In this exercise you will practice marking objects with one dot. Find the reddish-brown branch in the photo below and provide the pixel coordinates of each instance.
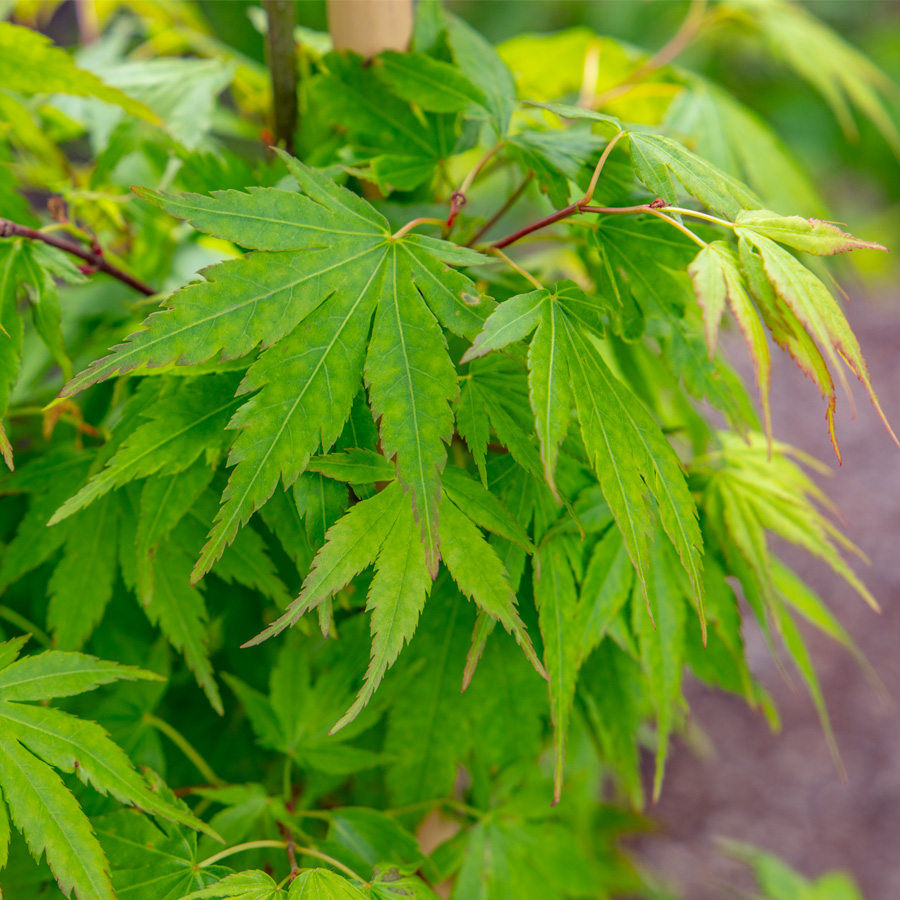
(573, 208)
(94, 257)
(513, 199)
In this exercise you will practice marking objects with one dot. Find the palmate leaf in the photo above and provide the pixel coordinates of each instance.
(381, 531)
(153, 860)
(332, 264)
(624, 444)
(296, 716)
(35, 739)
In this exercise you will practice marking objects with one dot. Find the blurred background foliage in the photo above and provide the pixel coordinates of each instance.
(854, 168)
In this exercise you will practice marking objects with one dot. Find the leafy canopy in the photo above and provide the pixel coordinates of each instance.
(447, 364)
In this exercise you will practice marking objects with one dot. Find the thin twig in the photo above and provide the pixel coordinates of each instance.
(517, 268)
(422, 220)
(239, 848)
(653, 210)
(572, 208)
(511, 201)
(180, 741)
(94, 257)
(291, 855)
(599, 168)
(459, 197)
(685, 34)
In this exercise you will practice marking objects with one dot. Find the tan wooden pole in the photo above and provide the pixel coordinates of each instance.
(370, 26)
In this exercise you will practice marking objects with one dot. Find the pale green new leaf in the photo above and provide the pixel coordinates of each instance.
(660, 162)
(396, 597)
(837, 70)
(353, 543)
(811, 235)
(556, 598)
(788, 332)
(717, 278)
(252, 885)
(31, 64)
(480, 575)
(817, 310)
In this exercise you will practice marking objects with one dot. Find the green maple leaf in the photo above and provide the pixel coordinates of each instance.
(153, 860)
(252, 885)
(329, 268)
(35, 739)
(381, 531)
(625, 446)
(298, 713)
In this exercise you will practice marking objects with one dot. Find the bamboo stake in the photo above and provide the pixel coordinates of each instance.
(370, 26)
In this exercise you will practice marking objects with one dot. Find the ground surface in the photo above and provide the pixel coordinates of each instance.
(782, 792)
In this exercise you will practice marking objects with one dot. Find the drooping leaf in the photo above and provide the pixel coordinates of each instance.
(838, 71)
(396, 597)
(817, 310)
(717, 277)
(557, 602)
(479, 574)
